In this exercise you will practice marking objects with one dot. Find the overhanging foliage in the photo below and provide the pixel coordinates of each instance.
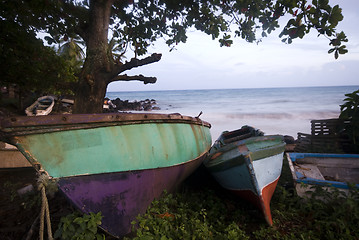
(135, 25)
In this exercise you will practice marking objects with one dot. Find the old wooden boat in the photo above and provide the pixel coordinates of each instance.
(114, 163)
(325, 170)
(248, 165)
(42, 106)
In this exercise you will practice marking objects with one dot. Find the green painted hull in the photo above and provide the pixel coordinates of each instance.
(113, 144)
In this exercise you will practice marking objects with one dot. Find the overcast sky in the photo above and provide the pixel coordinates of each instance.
(202, 64)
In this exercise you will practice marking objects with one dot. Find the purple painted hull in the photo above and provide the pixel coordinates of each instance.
(121, 196)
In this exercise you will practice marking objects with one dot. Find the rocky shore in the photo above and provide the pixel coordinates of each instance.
(125, 105)
(64, 106)
(116, 105)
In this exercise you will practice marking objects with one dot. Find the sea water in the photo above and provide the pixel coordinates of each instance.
(284, 111)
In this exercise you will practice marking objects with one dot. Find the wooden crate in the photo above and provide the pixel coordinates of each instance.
(326, 136)
(325, 127)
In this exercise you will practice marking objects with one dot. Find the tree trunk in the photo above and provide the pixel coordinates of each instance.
(95, 74)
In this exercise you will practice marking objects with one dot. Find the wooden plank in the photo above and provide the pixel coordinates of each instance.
(12, 158)
(331, 161)
(309, 171)
(325, 126)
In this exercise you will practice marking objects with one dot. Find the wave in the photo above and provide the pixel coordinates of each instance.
(281, 101)
(281, 115)
(259, 115)
(270, 123)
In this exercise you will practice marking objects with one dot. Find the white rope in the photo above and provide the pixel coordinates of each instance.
(45, 212)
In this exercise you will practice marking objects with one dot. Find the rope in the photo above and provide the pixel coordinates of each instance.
(45, 212)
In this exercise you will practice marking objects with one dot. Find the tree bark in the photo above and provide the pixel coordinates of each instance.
(140, 77)
(99, 68)
(96, 71)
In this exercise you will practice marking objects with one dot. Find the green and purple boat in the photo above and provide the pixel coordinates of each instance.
(114, 163)
(248, 164)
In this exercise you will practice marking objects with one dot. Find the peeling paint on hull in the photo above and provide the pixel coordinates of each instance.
(122, 196)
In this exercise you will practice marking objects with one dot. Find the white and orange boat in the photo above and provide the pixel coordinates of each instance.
(248, 164)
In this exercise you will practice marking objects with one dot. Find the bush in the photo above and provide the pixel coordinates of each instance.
(350, 111)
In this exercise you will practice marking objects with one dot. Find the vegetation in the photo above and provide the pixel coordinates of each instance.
(134, 26)
(26, 62)
(79, 226)
(209, 214)
(33, 67)
(350, 111)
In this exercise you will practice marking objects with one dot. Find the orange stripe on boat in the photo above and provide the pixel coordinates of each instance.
(262, 202)
(267, 194)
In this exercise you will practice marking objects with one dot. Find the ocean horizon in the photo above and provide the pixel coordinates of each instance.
(285, 110)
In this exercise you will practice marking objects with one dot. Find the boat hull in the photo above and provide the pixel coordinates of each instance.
(71, 145)
(113, 163)
(324, 170)
(250, 168)
(121, 196)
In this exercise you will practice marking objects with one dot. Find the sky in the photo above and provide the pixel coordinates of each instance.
(201, 63)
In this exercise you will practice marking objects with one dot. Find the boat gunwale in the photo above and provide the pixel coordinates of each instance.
(25, 125)
(223, 165)
(292, 157)
(229, 146)
(269, 151)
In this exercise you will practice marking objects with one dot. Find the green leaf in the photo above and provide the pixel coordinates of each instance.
(331, 50)
(342, 50)
(100, 237)
(78, 220)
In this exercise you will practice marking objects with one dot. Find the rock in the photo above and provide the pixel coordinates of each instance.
(114, 105)
(125, 105)
(289, 139)
(24, 190)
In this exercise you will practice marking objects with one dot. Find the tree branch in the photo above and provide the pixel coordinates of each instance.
(77, 17)
(140, 77)
(155, 57)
